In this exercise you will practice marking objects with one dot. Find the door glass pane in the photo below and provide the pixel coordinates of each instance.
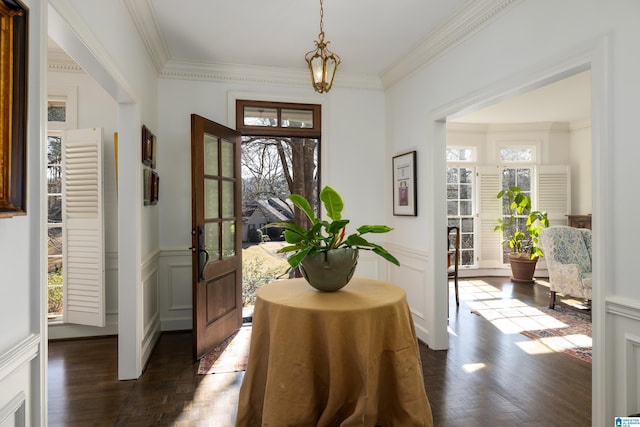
(227, 159)
(228, 239)
(210, 155)
(259, 116)
(211, 240)
(227, 199)
(297, 118)
(211, 199)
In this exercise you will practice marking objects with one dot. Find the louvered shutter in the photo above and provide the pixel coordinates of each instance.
(82, 224)
(554, 192)
(489, 184)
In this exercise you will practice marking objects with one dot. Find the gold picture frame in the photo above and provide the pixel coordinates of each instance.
(13, 107)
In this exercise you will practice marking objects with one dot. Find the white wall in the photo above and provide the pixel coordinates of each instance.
(512, 53)
(119, 62)
(581, 173)
(352, 161)
(22, 318)
(96, 108)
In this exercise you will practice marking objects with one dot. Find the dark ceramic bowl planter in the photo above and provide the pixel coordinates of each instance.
(324, 253)
(331, 270)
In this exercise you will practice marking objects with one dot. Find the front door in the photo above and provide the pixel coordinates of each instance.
(216, 194)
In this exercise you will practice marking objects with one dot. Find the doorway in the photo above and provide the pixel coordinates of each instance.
(280, 156)
(597, 170)
(522, 135)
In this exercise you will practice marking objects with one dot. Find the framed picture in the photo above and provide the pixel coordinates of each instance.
(155, 184)
(404, 184)
(14, 36)
(148, 147)
(147, 178)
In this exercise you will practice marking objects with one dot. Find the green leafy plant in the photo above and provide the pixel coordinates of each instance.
(521, 239)
(326, 235)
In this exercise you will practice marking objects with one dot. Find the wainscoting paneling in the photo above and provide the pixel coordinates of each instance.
(151, 315)
(623, 324)
(15, 381)
(412, 277)
(174, 289)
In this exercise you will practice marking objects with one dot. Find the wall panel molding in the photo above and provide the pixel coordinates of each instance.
(625, 307)
(20, 354)
(16, 408)
(632, 344)
(174, 289)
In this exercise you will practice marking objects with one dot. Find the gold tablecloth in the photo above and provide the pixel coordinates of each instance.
(346, 358)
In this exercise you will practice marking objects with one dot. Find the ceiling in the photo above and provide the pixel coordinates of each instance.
(371, 37)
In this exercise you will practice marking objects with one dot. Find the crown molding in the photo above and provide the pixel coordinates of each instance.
(64, 68)
(235, 73)
(59, 61)
(145, 21)
(474, 16)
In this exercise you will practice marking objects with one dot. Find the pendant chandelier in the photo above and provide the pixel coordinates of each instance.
(322, 62)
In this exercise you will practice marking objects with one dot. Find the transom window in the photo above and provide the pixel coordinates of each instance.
(460, 155)
(517, 154)
(262, 118)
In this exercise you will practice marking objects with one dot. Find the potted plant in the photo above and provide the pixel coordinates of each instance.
(325, 255)
(521, 230)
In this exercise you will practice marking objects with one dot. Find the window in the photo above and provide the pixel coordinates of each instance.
(280, 155)
(61, 106)
(460, 200)
(517, 154)
(460, 154)
(54, 225)
(521, 178)
(56, 117)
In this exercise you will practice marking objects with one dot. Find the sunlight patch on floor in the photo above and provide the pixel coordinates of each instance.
(512, 316)
(473, 367)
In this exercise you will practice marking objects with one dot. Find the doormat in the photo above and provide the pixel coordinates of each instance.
(231, 355)
(559, 330)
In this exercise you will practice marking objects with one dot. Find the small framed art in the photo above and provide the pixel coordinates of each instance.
(404, 184)
(148, 147)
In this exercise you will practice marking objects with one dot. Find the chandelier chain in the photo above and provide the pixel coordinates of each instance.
(321, 18)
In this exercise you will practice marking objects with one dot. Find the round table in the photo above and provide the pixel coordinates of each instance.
(345, 358)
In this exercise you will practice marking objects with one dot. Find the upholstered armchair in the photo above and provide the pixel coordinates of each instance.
(567, 251)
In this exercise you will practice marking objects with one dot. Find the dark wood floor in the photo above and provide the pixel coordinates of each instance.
(484, 379)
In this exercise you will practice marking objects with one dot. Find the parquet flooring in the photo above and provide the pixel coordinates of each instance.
(485, 378)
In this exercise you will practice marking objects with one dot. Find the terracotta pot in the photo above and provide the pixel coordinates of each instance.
(330, 271)
(522, 268)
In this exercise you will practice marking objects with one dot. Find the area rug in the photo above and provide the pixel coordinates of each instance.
(559, 329)
(230, 355)
(574, 338)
